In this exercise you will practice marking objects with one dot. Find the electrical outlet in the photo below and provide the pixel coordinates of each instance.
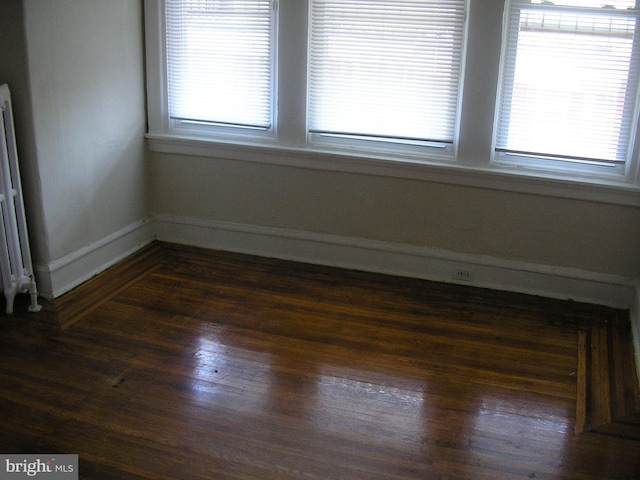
(463, 274)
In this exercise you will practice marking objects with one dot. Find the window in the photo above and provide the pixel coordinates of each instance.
(570, 82)
(386, 70)
(220, 68)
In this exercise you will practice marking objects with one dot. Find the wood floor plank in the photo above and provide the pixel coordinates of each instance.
(582, 382)
(213, 365)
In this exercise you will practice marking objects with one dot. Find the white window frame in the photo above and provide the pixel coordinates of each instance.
(551, 165)
(469, 162)
(160, 120)
(328, 129)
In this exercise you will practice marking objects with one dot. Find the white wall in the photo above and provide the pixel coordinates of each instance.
(86, 83)
(536, 229)
(14, 71)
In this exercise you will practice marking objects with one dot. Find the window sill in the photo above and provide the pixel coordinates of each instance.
(440, 170)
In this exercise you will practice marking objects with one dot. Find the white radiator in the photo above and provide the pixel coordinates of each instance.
(15, 256)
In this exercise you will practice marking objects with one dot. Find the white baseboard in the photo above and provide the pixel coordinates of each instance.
(399, 259)
(63, 274)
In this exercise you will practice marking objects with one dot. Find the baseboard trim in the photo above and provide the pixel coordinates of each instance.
(63, 274)
(398, 259)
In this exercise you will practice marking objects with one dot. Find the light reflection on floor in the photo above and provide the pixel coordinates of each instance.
(341, 401)
(215, 368)
(532, 430)
(389, 411)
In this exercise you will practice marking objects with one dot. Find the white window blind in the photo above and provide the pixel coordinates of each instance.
(385, 68)
(570, 80)
(220, 61)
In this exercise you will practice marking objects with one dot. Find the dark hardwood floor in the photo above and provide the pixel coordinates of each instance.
(192, 364)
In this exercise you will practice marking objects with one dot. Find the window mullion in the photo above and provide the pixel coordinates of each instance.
(155, 32)
(291, 117)
(482, 60)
